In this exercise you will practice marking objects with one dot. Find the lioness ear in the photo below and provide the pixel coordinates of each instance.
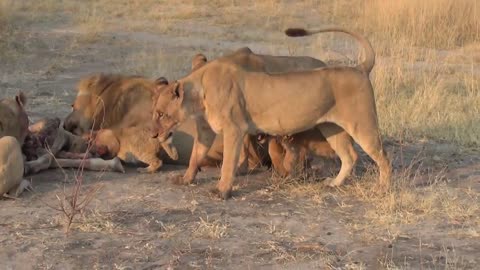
(21, 99)
(178, 90)
(161, 81)
(198, 61)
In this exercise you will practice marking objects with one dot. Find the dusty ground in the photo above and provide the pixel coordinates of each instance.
(430, 219)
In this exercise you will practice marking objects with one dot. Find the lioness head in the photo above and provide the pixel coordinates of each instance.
(17, 125)
(168, 111)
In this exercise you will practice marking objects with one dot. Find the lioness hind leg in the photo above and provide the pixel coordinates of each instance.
(341, 143)
(367, 135)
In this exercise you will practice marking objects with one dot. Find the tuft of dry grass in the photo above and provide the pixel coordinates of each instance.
(206, 228)
(432, 103)
(417, 193)
(430, 23)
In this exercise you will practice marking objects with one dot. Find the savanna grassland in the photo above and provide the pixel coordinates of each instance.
(427, 85)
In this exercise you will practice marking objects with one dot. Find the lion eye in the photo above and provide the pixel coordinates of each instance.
(158, 115)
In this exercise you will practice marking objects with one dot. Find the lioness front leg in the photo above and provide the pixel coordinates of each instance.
(232, 144)
(201, 145)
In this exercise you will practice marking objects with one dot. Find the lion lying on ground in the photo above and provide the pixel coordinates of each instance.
(225, 98)
(117, 105)
(300, 144)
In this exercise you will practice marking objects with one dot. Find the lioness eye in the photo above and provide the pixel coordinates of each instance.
(160, 115)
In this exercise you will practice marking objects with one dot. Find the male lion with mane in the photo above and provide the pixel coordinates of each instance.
(111, 109)
(225, 98)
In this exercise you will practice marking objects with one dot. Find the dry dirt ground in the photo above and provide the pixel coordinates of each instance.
(429, 220)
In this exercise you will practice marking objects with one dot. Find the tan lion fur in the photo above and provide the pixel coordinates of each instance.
(121, 102)
(118, 106)
(13, 118)
(11, 167)
(130, 143)
(225, 98)
(286, 155)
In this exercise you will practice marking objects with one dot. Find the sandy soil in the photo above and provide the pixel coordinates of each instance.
(431, 220)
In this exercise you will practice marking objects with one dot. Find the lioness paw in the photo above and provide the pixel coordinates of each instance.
(224, 195)
(180, 180)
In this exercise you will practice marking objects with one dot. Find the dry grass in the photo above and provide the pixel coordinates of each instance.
(422, 91)
(428, 103)
(418, 193)
(206, 228)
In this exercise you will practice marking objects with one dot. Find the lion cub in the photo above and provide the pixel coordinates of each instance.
(129, 143)
(289, 153)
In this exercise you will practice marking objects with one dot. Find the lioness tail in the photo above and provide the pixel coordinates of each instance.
(366, 65)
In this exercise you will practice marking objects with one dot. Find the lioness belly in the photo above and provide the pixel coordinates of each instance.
(286, 105)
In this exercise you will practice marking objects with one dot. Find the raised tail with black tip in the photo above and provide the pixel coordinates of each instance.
(366, 65)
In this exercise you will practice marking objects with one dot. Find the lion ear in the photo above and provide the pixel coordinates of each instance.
(21, 99)
(178, 90)
(156, 92)
(198, 61)
(161, 81)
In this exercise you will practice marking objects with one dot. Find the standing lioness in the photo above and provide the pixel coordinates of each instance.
(289, 154)
(225, 98)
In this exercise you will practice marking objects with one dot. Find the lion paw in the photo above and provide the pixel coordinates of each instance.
(180, 180)
(224, 195)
